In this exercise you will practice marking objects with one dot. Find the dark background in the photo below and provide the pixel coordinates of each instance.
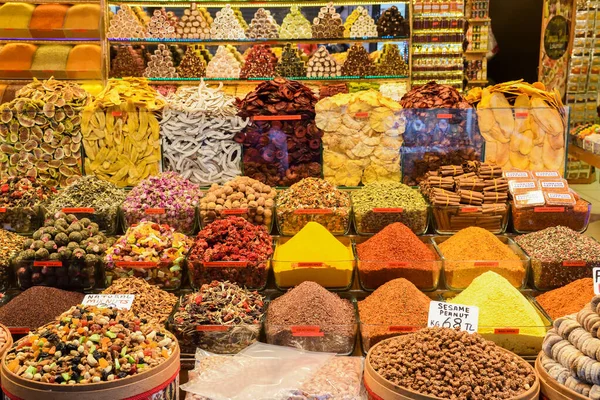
(517, 27)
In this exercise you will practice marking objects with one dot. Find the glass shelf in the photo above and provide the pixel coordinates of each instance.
(51, 40)
(252, 4)
(216, 42)
(301, 78)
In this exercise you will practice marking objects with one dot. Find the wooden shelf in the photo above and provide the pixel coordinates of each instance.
(584, 155)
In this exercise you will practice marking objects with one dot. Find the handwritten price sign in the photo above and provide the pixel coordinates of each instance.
(445, 315)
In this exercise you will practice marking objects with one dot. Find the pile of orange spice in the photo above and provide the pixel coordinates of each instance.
(568, 299)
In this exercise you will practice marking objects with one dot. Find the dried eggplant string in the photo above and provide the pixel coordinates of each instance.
(198, 128)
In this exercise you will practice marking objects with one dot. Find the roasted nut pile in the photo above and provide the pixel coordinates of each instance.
(64, 253)
(295, 25)
(226, 25)
(392, 23)
(121, 132)
(441, 129)
(263, 26)
(125, 24)
(227, 63)
(90, 345)
(167, 198)
(127, 62)
(446, 363)
(195, 23)
(191, 65)
(362, 138)
(20, 199)
(291, 63)
(161, 64)
(322, 65)
(198, 128)
(40, 132)
(312, 199)
(260, 63)
(280, 152)
(328, 24)
(242, 196)
(231, 249)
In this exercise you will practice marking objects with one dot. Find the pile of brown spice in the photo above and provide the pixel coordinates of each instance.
(567, 299)
(395, 308)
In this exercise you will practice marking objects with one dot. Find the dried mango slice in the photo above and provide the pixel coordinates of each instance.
(547, 116)
(502, 153)
(491, 148)
(526, 144)
(502, 113)
(518, 160)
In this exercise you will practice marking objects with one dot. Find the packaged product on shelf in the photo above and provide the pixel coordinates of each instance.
(231, 249)
(65, 253)
(313, 254)
(441, 129)
(151, 302)
(243, 197)
(380, 204)
(315, 200)
(395, 308)
(414, 351)
(10, 245)
(396, 252)
(92, 198)
(121, 138)
(466, 195)
(20, 199)
(282, 145)
(311, 318)
(36, 307)
(474, 251)
(48, 146)
(167, 198)
(534, 215)
(221, 317)
(93, 364)
(148, 250)
(295, 25)
(528, 134)
(559, 256)
(506, 317)
(338, 378)
(568, 299)
(362, 136)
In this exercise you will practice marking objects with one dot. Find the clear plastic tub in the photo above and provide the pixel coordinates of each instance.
(333, 275)
(251, 274)
(338, 339)
(376, 219)
(23, 220)
(219, 339)
(336, 220)
(183, 221)
(448, 220)
(424, 275)
(522, 340)
(74, 275)
(459, 274)
(108, 221)
(257, 215)
(533, 219)
(165, 275)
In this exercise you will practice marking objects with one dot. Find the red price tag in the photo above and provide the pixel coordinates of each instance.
(19, 331)
(436, 23)
(117, 113)
(435, 39)
(307, 331)
(486, 263)
(442, 116)
(454, 23)
(136, 264)
(211, 328)
(388, 210)
(403, 329)
(524, 114)
(276, 117)
(308, 265)
(361, 115)
(78, 210)
(226, 264)
(572, 263)
(152, 211)
(396, 264)
(469, 209)
(2, 210)
(234, 211)
(47, 264)
(548, 209)
(313, 211)
(506, 331)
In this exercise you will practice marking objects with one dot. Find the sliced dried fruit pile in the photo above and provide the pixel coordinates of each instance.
(40, 132)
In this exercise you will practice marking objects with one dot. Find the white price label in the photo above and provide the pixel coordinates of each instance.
(446, 315)
(596, 272)
(120, 301)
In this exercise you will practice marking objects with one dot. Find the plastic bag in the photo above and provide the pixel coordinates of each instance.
(259, 372)
(205, 361)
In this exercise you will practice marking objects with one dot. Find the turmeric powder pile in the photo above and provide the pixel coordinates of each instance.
(473, 251)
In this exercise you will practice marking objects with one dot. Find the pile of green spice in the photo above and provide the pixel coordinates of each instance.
(20, 198)
(91, 197)
(396, 252)
(559, 256)
(10, 245)
(379, 204)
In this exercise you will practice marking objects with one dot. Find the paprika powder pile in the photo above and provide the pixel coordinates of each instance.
(568, 299)
(396, 252)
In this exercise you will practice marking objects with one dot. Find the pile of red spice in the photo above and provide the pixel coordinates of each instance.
(396, 252)
(568, 299)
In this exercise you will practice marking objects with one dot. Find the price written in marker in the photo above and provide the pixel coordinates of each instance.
(120, 301)
(596, 273)
(445, 315)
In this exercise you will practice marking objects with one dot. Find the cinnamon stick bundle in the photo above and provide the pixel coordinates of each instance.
(495, 197)
(451, 170)
(475, 184)
(471, 197)
(488, 171)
